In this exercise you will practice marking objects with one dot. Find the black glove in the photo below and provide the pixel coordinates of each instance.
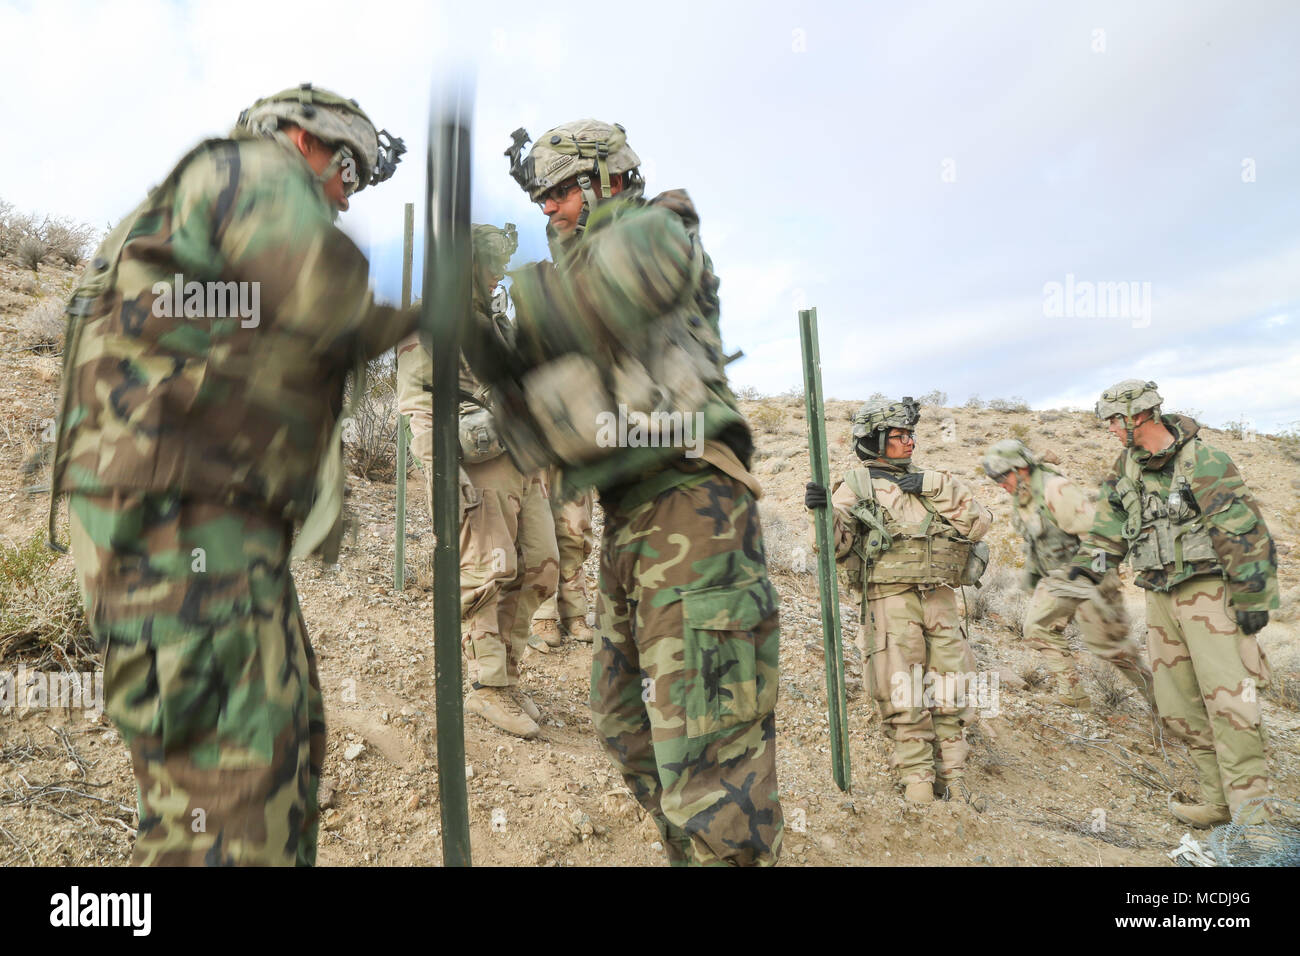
(1251, 621)
(814, 495)
(1077, 572)
(912, 483)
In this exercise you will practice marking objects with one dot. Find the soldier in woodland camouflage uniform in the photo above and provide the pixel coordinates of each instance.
(621, 327)
(508, 558)
(566, 611)
(1051, 512)
(192, 439)
(1178, 509)
(910, 624)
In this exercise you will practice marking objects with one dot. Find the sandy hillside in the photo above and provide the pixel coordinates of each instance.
(1041, 772)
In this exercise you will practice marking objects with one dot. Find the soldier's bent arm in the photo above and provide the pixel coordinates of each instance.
(275, 230)
(956, 502)
(1106, 533)
(626, 275)
(847, 527)
(1237, 531)
(1069, 506)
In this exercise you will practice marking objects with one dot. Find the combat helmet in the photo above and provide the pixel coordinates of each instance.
(872, 422)
(1007, 455)
(1129, 398)
(587, 149)
(335, 121)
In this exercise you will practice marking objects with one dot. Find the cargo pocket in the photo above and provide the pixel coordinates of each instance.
(1145, 553)
(731, 669)
(1237, 518)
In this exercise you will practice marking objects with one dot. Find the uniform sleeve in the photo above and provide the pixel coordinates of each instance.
(955, 501)
(846, 525)
(273, 229)
(414, 369)
(1069, 506)
(1106, 534)
(1237, 531)
(622, 277)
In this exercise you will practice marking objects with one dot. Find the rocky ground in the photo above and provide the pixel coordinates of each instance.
(1053, 786)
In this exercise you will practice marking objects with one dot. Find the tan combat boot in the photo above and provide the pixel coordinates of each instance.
(526, 704)
(497, 706)
(922, 792)
(1069, 693)
(545, 632)
(579, 629)
(1200, 815)
(954, 789)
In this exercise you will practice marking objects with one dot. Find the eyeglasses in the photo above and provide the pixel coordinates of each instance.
(907, 438)
(557, 194)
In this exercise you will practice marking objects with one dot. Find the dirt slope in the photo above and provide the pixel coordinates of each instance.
(1054, 787)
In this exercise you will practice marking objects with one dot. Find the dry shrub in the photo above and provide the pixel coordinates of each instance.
(69, 240)
(40, 606)
(30, 251)
(370, 439)
(41, 328)
(1013, 404)
(1000, 597)
(786, 549)
(767, 417)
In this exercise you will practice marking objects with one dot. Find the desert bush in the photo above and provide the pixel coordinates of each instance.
(370, 439)
(766, 417)
(31, 250)
(1013, 404)
(1020, 430)
(747, 393)
(41, 328)
(786, 549)
(974, 403)
(69, 240)
(40, 606)
(1000, 595)
(934, 399)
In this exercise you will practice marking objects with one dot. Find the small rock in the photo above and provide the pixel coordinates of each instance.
(332, 820)
(413, 801)
(469, 771)
(659, 847)
(325, 795)
(353, 751)
(71, 768)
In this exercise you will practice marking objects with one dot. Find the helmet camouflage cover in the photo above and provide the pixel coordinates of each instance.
(493, 246)
(1128, 398)
(1006, 455)
(880, 415)
(339, 123)
(585, 147)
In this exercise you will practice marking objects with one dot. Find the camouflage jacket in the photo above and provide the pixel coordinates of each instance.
(1165, 545)
(165, 389)
(1051, 514)
(625, 278)
(952, 500)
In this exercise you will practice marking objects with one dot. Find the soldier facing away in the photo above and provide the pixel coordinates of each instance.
(1050, 512)
(508, 558)
(190, 445)
(623, 328)
(905, 535)
(1178, 509)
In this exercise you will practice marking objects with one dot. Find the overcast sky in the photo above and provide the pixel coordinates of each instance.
(920, 172)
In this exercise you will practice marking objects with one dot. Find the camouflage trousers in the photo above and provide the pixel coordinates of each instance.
(508, 565)
(916, 642)
(684, 679)
(1103, 625)
(1208, 677)
(574, 539)
(208, 676)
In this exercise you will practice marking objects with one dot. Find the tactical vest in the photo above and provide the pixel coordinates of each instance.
(662, 394)
(1164, 529)
(1048, 546)
(927, 553)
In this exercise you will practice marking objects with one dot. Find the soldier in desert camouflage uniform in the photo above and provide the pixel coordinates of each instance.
(1179, 510)
(566, 612)
(623, 324)
(1051, 512)
(508, 558)
(191, 443)
(910, 624)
